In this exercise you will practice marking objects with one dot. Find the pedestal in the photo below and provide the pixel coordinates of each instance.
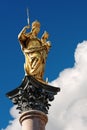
(33, 120)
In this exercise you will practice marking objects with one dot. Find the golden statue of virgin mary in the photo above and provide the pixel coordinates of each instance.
(35, 50)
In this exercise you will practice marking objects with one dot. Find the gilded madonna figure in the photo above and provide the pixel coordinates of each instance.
(35, 50)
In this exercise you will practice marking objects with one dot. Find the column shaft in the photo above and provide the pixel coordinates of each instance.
(33, 120)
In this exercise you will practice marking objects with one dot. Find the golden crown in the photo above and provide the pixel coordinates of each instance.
(35, 24)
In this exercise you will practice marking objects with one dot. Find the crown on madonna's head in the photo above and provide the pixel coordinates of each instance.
(35, 24)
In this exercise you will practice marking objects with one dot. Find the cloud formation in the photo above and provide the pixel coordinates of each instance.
(69, 109)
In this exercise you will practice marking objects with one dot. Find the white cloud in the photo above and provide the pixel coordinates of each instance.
(69, 109)
(14, 125)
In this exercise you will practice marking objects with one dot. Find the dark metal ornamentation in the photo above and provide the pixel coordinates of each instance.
(33, 95)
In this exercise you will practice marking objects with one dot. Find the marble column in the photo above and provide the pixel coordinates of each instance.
(33, 120)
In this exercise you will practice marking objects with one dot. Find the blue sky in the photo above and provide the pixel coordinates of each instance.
(66, 22)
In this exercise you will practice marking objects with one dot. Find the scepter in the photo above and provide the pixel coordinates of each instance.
(28, 20)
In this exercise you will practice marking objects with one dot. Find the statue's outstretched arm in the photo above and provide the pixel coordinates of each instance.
(22, 35)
